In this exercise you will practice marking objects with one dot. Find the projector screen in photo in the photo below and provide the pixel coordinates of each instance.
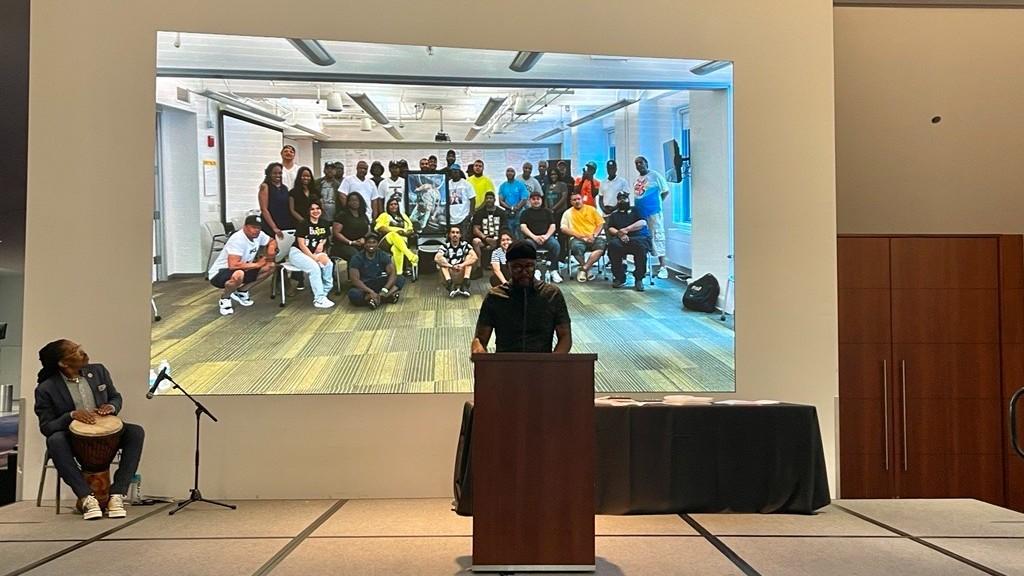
(302, 158)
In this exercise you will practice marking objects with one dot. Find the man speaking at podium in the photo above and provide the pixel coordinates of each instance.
(526, 313)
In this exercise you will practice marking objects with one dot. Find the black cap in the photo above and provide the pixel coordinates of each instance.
(611, 163)
(521, 249)
(622, 195)
(253, 220)
(536, 193)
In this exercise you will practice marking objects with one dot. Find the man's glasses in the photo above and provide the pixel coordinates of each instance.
(521, 267)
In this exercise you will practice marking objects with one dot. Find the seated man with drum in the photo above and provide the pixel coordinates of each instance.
(77, 406)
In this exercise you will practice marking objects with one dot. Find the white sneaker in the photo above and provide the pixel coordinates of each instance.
(556, 277)
(453, 293)
(90, 508)
(581, 275)
(323, 303)
(663, 273)
(242, 298)
(115, 506)
(225, 307)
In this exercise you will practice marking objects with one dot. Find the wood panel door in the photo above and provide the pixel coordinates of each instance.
(946, 353)
(866, 431)
(1011, 257)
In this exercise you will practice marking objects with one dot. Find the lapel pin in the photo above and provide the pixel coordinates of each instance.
(88, 374)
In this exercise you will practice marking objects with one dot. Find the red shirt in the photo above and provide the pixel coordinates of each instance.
(588, 189)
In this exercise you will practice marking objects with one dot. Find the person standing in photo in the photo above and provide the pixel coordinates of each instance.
(393, 185)
(273, 200)
(359, 183)
(649, 193)
(481, 184)
(612, 187)
(289, 169)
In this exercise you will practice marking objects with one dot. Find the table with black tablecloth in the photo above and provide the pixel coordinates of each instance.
(659, 458)
(668, 459)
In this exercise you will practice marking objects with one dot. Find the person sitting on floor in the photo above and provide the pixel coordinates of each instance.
(395, 228)
(628, 234)
(583, 223)
(455, 260)
(309, 253)
(499, 262)
(237, 268)
(373, 276)
(70, 388)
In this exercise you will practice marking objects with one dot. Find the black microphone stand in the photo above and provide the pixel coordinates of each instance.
(194, 494)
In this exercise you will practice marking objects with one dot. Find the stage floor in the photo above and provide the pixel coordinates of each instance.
(423, 538)
(645, 341)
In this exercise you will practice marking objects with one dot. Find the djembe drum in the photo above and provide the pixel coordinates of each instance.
(94, 446)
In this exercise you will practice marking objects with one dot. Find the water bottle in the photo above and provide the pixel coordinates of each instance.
(135, 489)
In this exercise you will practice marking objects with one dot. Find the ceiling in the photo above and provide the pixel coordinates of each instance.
(417, 110)
(413, 85)
(223, 56)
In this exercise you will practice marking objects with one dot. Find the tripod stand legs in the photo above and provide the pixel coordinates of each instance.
(196, 496)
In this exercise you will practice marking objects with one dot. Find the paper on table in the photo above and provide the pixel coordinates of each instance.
(747, 402)
(687, 399)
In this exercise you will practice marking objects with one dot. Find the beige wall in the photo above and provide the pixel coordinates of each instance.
(87, 55)
(897, 172)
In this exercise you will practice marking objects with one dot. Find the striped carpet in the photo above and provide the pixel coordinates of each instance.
(644, 341)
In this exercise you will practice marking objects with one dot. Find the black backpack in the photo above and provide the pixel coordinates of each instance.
(702, 294)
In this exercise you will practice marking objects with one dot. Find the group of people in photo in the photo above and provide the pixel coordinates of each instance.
(379, 228)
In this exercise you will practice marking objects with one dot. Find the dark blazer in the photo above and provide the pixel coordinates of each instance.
(54, 404)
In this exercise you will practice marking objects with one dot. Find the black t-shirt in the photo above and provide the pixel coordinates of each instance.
(353, 227)
(315, 234)
(456, 254)
(537, 220)
(524, 320)
(302, 201)
(620, 220)
(490, 223)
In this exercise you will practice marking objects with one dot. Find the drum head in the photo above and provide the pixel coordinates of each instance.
(104, 426)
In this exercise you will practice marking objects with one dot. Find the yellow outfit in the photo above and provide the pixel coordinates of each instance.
(586, 220)
(482, 185)
(399, 244)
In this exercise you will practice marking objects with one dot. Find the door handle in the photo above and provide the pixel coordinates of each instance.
(1013, 421)
(903, 373)
(885, 404)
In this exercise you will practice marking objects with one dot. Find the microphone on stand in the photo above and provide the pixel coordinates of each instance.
(156, 383)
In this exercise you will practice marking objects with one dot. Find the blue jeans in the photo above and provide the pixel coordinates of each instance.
(554, 250)
(321, 278)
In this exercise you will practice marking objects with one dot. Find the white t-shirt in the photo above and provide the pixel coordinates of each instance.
(389, 188)
(366, 188)
(288, 175)
(610, 191)
(238, 245)
(459, 194)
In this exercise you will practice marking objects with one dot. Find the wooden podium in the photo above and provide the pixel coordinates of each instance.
(533, 463)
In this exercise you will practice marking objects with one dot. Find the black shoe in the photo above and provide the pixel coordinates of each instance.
(372, 304)
(619, 284)
(393, 297)
(638, 285)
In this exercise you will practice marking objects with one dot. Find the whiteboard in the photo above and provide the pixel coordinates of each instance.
(248, 148)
